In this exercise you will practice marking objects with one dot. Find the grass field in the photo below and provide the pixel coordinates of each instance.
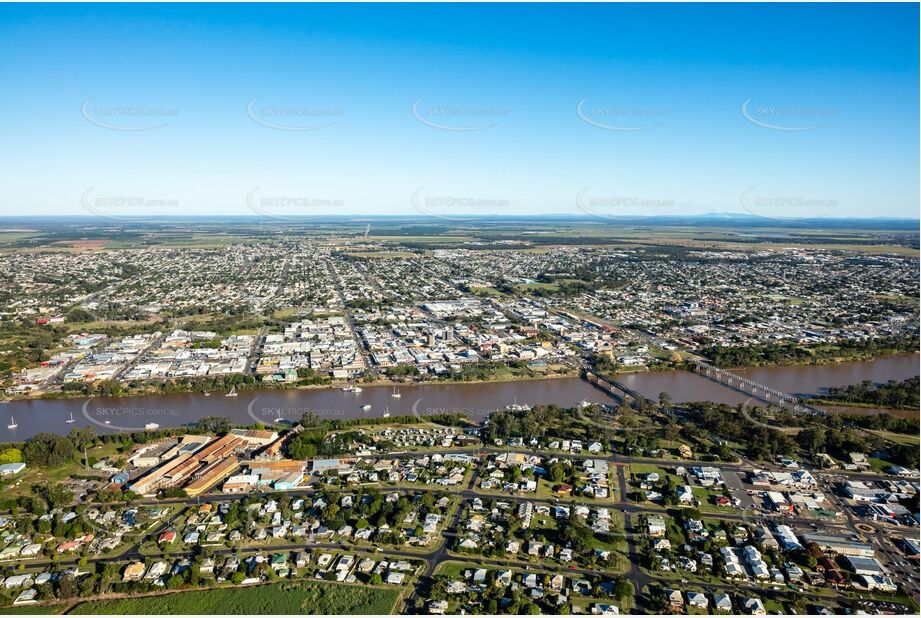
(85, 327)
(287, 598)
(485, 291)
(33, 610)
(898, 438)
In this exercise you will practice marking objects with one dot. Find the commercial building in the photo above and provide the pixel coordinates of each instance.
(839, 545)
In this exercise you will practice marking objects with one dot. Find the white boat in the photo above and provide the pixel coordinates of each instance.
(232, 392)
(386, 413)
(585, 403)
(279, 420)
(351, 389)
(71, 419)
(517, 407)
(367, 406)
(396, 393)
(12, 424)
(151, 426)
(108, 422)
(207, 394)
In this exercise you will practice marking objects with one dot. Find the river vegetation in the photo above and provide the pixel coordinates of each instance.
(541, 421)
(216, 383)
(796, 354)
(902, 395)
(835, 435)
(760, 441)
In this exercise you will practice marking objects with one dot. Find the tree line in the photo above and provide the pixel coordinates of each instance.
(892, 394)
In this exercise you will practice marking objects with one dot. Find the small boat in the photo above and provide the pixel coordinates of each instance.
(517, 407)
(207, 394)
(71, 419)
(585, 403)
(386, 413)
(108, 422)
(151, 426)
(367, 406)
(12, 424)
(279, 420)
(232, 392)
(351, 389)
(396, 393)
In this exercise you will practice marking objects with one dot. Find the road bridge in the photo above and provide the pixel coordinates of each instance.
(615, 388)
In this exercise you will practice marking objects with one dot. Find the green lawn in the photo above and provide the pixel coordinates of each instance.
(289, 598)
(898, 438)
(641, 470)
(878, 465)
(485, 291)
(34, 609)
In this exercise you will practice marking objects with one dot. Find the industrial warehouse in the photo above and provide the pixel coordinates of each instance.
(198, 463)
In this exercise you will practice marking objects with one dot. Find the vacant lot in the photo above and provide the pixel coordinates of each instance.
(287, 598)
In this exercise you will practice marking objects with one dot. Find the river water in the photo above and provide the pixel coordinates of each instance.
(474, 400)
(805, 380)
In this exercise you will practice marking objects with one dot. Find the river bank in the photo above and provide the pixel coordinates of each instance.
(203, 387)
(473, 399)
(504, 374)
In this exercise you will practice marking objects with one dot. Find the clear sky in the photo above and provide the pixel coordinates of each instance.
(452, 110)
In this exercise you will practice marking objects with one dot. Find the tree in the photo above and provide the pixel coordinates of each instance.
(307, 443)
(66, 588)
(47, 449)
(556, 471)
(623, 589)
(812, 439)
(577, 534)
(54, 494)
(530, 608)
(81, 437)
(213, 424)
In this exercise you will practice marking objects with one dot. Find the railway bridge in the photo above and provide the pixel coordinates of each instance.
(750, 387)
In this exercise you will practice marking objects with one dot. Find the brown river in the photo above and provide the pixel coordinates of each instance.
(473, 400)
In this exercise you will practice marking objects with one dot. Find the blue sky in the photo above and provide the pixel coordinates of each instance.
(460, 109)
